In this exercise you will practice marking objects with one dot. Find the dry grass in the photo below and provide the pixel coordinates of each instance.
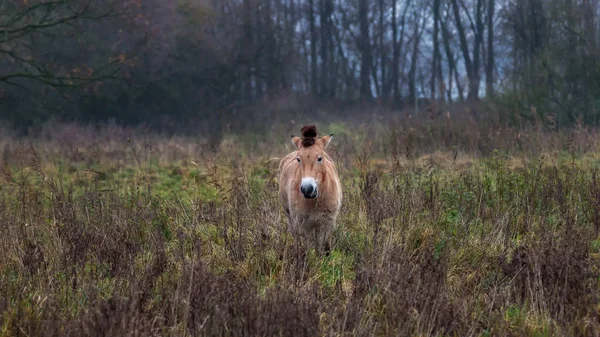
(121, 232)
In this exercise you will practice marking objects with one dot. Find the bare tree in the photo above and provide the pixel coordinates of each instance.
(490, 63)
(419, 22)
(31, 20)
(314, 80)
(436, 66)
(365, 50)
(472, 64)
(382, 52)
(327, 61)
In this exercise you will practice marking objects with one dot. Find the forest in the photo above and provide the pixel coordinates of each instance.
(224, 64)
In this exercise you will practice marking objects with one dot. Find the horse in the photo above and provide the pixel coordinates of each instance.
(310, 190)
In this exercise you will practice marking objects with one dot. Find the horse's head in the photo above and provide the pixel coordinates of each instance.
(312, 160)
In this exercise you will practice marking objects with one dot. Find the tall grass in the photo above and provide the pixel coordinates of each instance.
(447, 229)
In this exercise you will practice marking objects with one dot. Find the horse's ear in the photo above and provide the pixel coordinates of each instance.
(325, 140)
(296, 141)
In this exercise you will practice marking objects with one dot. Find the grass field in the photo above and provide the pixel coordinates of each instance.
(445, 230)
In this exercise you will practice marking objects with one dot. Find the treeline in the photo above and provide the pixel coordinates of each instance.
(217, 62)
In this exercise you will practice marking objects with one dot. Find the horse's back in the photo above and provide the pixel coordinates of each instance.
(285, 174)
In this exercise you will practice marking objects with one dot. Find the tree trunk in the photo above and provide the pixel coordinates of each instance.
(382, 63)
(475, 79)
(365, 49)
(347, 77)
(248, 48)
(412, 84)
(464, 46)
(314, 81)
(333, 72)
(396, 45)
(395, 53)
(325, 67)
(452, 71)
(436, 47)
(489, 70)
(292, 37)
(269, 67)
(281, 36)
(259, 36)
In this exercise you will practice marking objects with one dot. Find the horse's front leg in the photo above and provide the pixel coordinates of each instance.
(299, 230)
(323, 236)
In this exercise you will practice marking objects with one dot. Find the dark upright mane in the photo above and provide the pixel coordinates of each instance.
(309, 132)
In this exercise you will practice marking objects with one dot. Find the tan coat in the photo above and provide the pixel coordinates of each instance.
(311, 192)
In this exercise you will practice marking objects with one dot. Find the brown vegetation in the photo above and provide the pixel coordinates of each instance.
(161, 236)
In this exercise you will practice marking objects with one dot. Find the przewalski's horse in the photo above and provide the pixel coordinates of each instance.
(310, 189)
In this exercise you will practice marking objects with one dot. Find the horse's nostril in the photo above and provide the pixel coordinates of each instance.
(307, 189)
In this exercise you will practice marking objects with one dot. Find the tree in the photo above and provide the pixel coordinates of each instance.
(25, 22)
(383, 92)
(314, 80)
(418, 20)
(436, 66)
(397, 43)
(327, 61)
(365, 50)
(490, 64)
(472, 64)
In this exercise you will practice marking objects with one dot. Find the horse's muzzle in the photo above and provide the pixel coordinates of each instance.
(309, 191)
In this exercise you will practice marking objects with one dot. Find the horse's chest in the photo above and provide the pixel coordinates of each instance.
(311, 221)
(314, 209)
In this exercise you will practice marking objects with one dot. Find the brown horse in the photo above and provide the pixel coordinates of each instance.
(310, 189)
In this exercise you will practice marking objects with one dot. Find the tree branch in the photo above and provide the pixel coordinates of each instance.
(62, 81)
(8, 32)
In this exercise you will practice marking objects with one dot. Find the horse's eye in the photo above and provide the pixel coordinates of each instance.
(298, 159)
(320, 159)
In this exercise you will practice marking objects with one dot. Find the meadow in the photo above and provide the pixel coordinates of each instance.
(447, 229)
